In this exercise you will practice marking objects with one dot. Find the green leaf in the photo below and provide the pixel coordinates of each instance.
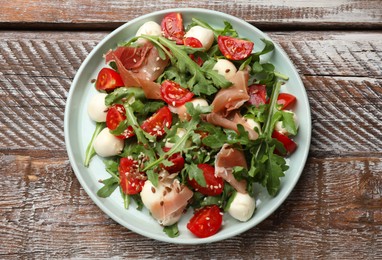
(120, 95)
(268, 47)
(109, 187)
(90, 152)
(287, 120)
(275, 169)
(171, 231)
(194, 173)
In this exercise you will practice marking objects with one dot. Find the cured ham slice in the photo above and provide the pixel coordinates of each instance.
(232, 98)
(226, 159)
(167, 201)
(131, 57)
(231, 122)
(150, 68)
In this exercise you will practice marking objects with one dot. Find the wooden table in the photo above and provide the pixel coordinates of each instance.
(335, 209)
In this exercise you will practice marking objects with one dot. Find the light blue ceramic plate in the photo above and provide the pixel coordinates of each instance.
(79, 128)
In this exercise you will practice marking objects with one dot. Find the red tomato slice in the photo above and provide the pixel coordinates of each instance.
(206, 221)
(131, 179)
(257, 94)
(173, 94)
(289, 145)
(234, 48)
(286, 100)
(156, 124)
(108, 79)
(177, 160)
(172, 27)
(194, 43)
(214, 183)
(115, 115)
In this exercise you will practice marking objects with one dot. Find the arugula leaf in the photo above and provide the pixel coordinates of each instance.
(109, 187)
(228, 29)
(287, 120)
(120, 95)
(267, 167)
(172, 231)
(194, 173)
(90, 152)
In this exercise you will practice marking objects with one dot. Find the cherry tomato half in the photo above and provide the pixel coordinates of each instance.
(172, 27)
(177, 160)
(257, 94)
(173, 94)
(156, 124)
(214, 183)
(289, 145)
(194, 43)
(108, 79)
(206, 221)
(234, 48)
(131, 179)
(115, 115)
(286, 100)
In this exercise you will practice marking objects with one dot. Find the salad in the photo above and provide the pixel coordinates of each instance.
(191, 117)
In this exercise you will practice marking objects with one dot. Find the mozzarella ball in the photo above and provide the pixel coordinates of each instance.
(253, 124)
(242, 207)
(182, 110)
(148, 28)
(279, 124)
(97, 109)
(106, 144)
(149, 197)
(225, 68)
(204, 35)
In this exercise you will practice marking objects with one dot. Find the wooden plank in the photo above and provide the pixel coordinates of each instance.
(276, 14)
(334, 212)
(337, 69)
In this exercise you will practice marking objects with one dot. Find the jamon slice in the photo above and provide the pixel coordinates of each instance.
(232, 98)
(150, 68)
(226, 159)
(166, 202)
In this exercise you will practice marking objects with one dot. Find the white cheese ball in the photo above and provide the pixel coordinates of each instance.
(225, 68)
(148, 28)
(242, 207)
(279, 124)
(253, 124)
(106, 144)
(204, 35)
(97, 109)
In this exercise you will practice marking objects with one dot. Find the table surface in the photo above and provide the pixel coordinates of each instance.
(333, 212)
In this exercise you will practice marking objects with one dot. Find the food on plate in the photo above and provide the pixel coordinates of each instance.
(189, 117)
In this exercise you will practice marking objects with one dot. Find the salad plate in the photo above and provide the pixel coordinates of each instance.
(79, 128)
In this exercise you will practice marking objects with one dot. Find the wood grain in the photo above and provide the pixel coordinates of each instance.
(276, 14)
(334, 212)
(35, 76)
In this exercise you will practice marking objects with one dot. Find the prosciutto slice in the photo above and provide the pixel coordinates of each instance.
(167, 201)
(131, 57)
(226, 159)
(232, 98)
(150, 68)
(231, 122)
